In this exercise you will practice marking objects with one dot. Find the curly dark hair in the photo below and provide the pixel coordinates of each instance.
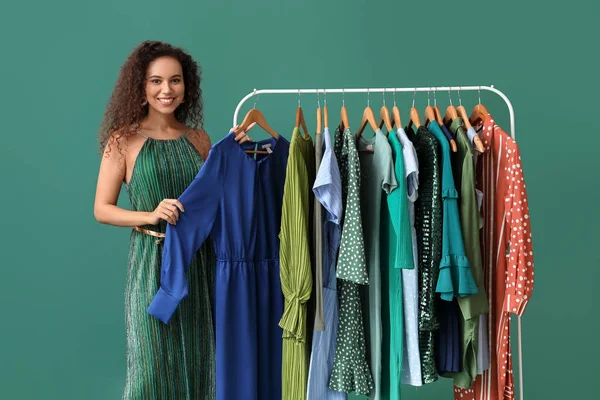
(124, 110)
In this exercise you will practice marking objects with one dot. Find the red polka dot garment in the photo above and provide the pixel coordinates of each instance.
(507, 256)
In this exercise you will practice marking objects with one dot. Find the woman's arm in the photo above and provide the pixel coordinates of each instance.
(110, 180)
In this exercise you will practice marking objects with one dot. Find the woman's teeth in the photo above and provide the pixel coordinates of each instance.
(166, 101)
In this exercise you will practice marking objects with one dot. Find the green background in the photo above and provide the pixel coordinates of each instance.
(62, 334)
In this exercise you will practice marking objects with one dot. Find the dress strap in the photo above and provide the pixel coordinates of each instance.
(137, 130)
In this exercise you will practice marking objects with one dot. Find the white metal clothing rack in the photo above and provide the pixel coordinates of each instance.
(413, 90)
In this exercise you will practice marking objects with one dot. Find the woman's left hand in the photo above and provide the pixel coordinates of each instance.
(242, 136)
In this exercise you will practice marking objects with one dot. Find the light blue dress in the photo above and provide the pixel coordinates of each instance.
(328, 190)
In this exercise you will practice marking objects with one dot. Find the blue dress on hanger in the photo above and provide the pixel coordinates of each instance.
(236, 198)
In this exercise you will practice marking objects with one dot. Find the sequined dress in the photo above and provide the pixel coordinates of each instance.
(175, 360)
(428, 224)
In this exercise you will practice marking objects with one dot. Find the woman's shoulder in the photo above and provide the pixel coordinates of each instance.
(122, 139)
(200, 140)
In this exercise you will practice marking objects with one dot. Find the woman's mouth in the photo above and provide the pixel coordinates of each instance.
(166, 101)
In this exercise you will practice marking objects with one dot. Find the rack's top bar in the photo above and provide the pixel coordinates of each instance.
(376, 90)
(490, 88)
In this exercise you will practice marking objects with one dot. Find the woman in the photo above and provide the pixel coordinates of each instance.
(148, 145)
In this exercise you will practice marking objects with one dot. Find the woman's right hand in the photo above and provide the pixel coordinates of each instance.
(167, 210)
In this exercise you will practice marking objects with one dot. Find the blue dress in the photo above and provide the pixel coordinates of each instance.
(328, 191)
(236, 198)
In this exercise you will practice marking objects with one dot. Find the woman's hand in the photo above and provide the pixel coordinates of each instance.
(242, 136)
(167, 210)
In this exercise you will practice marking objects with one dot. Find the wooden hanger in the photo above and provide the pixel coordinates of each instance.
(384, 117)
(254, 115)
(436, 110)
(368, 117)
(319, 115)
(479, 112)
(325, 116)
(300, 118)
(396, 114)
(414, 118)
(414, 115)
(462, 113)
(344, 115)
(301, 122)
(451, 114)
(429, 113)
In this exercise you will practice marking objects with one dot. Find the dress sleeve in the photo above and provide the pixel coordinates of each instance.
(520, 264)
(200, 202)
(398, 206)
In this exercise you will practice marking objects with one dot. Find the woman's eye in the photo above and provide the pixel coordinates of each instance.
(155, 81)
(177, 80)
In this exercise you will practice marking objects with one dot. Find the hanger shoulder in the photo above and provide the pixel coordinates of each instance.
(319, 120)
(255, 115)
(368, 118)
(384, 118)
(301, 122)
(462, 113)
(453, 146)
(414, 118)
(478, 144)
(325, 117)
(450, 114)
(396, 115)
(429, 114)
(371, 119)
(344, 118)
(438, 115)
(478, 114)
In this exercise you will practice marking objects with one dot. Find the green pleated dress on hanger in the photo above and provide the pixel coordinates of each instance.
(174, 360)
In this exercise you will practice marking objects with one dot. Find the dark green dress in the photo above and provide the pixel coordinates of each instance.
(175, 360)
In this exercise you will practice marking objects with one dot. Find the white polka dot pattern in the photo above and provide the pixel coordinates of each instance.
(508, 257)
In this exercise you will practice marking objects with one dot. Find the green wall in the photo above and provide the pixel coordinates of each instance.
(62, 334)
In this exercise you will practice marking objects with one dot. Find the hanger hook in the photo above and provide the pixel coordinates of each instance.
(459, 99)
(318, 99)
(394, 97)
(298, 97)
(255, 100)
(434, 97)
(479, 93)
(450, 94)
(325, 95)
(343, 98)
(414, 95)
(383, 96)
(368, 97)
(428, 102)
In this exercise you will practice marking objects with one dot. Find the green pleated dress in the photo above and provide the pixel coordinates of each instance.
(175, 360)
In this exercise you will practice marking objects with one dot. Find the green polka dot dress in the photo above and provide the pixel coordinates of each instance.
(350, 372)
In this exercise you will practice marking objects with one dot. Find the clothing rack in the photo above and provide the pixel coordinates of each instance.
(413, 90)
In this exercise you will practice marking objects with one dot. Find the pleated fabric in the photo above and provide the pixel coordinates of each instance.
(174, 360)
